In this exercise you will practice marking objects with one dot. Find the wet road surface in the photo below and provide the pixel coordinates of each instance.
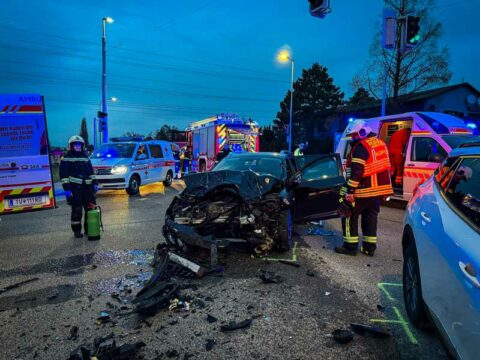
(293, 319)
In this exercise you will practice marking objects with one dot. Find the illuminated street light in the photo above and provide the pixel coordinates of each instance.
(284, 56)
(108, 19)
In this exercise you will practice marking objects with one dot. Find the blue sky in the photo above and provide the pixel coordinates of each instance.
(176, 62)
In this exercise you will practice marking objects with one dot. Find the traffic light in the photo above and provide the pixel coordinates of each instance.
(412, 31)
(102, 121)
(319, 8)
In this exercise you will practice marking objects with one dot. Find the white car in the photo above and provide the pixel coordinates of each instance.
(129, 164)
(441, 249)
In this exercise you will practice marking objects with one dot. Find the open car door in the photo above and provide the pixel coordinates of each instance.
(317, 187)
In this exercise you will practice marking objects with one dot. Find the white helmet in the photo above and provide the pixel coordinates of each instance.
(75, 139)
(359, 127)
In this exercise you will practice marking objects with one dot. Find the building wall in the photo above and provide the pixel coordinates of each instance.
(454, 102)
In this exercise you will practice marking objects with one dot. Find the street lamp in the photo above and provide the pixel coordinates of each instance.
(105, 20)
(284, 56)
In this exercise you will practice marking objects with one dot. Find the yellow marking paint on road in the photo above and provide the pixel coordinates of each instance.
(292, 259)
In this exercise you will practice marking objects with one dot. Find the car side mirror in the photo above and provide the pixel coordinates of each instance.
(141, 157)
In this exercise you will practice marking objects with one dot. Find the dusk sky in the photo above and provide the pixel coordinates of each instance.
(176, 62)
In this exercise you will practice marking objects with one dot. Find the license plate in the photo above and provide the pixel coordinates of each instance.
(28, 201)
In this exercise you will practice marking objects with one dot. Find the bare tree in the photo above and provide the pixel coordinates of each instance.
(423, 67)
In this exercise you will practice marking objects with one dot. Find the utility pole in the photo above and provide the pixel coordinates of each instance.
(105, 20)
(290, 139)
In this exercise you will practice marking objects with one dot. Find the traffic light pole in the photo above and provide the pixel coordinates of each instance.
(104, 83)
(290, 138)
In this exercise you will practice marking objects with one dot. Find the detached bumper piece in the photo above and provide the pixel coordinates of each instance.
(162, 286)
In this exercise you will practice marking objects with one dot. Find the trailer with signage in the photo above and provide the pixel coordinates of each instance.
(25, 171)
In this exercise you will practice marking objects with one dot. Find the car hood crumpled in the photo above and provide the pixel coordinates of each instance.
(249, 184)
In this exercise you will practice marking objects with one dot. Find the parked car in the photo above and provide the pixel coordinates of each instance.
(254, 197)
(441, 247)
(129, 164)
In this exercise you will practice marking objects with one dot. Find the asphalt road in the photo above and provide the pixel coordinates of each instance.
(293, 319)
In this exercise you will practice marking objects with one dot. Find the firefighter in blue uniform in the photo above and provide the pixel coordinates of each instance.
(78, 181)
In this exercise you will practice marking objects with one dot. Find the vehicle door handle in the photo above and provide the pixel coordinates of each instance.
(425, 217)
(411, 165)
(469, 271)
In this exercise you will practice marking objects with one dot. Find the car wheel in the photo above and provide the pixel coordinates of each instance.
(168, 179)
(285, 230)
(412, 289)
(133, 185)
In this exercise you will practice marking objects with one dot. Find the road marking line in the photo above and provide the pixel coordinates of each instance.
(382, 286)
(293, 259)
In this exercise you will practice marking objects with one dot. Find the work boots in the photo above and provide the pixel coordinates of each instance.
(78, 235)
(347, 249)
(368, 249)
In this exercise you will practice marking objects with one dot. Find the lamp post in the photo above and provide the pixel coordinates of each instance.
(284, 56)
(105, 20)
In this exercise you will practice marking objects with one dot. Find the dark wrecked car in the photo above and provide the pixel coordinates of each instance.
(253, 198)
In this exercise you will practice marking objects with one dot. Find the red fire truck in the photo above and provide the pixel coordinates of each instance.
(208, 137)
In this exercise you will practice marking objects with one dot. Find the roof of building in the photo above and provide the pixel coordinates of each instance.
(422, 95)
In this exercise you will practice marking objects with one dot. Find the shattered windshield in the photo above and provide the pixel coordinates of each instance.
(258, 164)
(120, 151)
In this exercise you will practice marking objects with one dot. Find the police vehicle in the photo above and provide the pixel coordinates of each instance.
(128, 163)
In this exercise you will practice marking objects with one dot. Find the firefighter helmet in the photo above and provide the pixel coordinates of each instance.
(359, 127)
(75, 139)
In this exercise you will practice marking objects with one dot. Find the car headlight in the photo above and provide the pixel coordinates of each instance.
(119, 170)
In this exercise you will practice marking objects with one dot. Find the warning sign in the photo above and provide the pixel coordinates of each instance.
(25, 173)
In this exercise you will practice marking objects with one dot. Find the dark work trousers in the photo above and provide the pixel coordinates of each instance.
(368, 208)
(82, 196)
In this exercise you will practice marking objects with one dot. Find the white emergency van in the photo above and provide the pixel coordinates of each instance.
(123, 164)
(433, 136)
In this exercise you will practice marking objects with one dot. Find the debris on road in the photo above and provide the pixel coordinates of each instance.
(366, 329)
(73, 333)
(103, 318)
(179, 305)
(289, 262)
(17, 285)
(319, 231)
(211, 319)
(380, 307)
(269, 277)
(105, 348)
(310, 273)
(209, 344)
(342, 336)
(233, 325)
(327, 293)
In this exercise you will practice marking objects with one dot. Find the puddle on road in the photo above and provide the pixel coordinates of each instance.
(126, 284)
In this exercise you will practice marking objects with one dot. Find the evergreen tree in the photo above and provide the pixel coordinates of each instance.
(315, 97)
(84, 132)
(361, 97)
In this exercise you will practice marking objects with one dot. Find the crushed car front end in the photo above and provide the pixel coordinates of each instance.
(221, 207)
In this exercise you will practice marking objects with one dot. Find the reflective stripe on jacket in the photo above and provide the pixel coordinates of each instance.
(368, 169)
(76, 168)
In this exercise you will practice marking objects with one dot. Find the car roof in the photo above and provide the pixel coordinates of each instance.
(263, 154)
(472, 150)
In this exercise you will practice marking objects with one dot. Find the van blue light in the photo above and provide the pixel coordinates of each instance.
(472, 125)
(351, 120)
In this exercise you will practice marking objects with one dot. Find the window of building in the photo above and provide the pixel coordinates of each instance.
(156, 151)
(425, 149)
(464, 190)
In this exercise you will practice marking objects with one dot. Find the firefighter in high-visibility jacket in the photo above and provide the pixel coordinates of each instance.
(368, 181)
(79, 182)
